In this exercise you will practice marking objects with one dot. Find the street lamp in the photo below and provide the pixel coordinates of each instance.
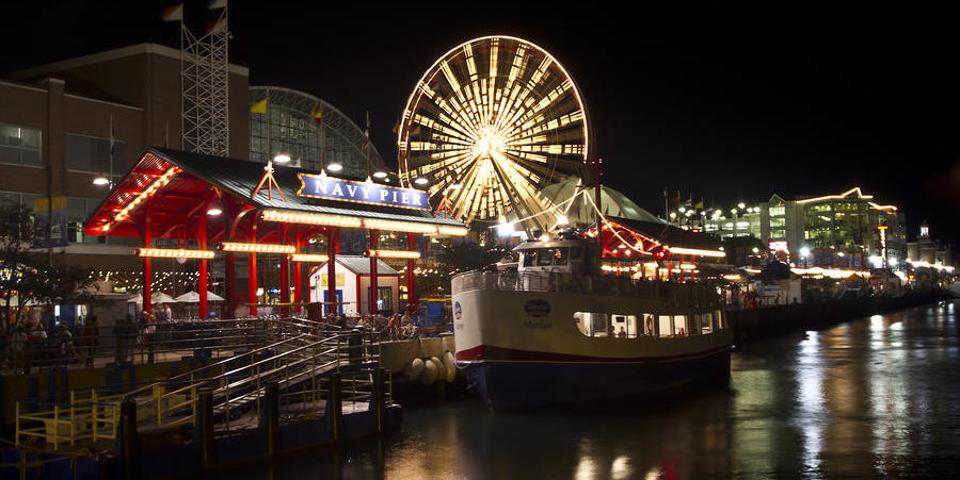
(804, 253)
(281, 158)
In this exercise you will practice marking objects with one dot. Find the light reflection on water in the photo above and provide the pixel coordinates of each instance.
(874, 397)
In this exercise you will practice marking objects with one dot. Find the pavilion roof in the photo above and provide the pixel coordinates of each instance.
(187, 181)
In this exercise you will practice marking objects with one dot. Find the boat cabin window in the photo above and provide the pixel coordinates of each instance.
(649, 324)
(680, 326)
(718, 322)
(592, 324)
(624, 326)
(665, 325)
(547, 257)
(704, 320)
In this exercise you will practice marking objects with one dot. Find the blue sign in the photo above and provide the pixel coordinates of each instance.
(329, 188)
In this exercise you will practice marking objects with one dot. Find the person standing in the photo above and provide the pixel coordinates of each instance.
(91, 338)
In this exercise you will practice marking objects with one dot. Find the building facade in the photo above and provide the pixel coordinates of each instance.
(64, 124)
(846, 230)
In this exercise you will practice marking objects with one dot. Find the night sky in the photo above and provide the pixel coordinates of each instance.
(723, 104)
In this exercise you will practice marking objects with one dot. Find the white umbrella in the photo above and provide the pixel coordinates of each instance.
(157, 297)
(194, 297)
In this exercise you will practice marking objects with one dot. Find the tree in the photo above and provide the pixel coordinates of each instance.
(32, 275)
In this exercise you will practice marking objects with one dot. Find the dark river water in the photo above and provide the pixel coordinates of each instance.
(875, 397)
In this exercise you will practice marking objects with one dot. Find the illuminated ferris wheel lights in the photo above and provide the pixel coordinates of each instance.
(335, 167)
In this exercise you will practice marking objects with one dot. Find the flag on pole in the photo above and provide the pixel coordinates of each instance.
(173, 13)
(317, 113)
(215, 4)
(259, 107)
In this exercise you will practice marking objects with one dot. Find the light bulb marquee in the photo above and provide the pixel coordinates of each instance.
(344, 221)
(175, 253)
(501, 119)
(141, 197)
(309, 257)
(257, 248)
(403, 254)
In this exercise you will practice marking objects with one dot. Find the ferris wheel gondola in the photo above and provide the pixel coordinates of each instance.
(489, 125)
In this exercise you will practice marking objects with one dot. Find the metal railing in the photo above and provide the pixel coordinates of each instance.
(703, 294)
(299, 355)
(93, 419)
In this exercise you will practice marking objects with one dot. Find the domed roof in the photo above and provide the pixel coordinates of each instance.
(612, 203)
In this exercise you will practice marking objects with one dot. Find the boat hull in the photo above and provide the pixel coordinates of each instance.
(510, 385)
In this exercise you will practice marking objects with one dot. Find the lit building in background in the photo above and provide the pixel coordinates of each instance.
(846, 230)
(926, 250)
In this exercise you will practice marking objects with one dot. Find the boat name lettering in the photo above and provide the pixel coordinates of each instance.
(537, 308)
(537, 324)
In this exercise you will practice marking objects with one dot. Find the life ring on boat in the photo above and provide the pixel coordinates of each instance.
(450, 365)
(414, 368)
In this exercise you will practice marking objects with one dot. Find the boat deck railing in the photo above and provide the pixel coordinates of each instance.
(685, 294)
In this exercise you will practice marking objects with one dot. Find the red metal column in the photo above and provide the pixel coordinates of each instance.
(297, 278)
(332, 240)
(147, 266)
(284, 273)
(202, 277)
(411, 266)
(252, 272)
(374, 245)
(231, 285)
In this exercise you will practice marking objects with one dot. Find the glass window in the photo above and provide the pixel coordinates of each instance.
(92, 154)
(592, 324)
(20, 145)
(680, 325)
(666, 325)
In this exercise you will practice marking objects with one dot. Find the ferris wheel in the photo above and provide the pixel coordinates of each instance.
(490, 124)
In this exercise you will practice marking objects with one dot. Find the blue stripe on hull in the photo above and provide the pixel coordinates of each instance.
(519, 385)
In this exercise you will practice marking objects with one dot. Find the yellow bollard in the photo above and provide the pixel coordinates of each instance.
(56, 427)
(93, 414)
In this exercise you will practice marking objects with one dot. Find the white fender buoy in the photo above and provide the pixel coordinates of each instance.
(450, 364)
(431, 370)
(414, 368)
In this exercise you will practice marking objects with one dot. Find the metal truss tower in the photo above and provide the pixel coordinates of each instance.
(205, 86)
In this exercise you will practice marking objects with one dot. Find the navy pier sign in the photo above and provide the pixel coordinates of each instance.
(330, 188)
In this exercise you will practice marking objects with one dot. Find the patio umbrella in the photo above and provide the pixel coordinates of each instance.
(194, 297)
(157, 297)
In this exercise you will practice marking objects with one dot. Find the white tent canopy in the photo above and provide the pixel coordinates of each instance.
(194, 297)
(157, 297)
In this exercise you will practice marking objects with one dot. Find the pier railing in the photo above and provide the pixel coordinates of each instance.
(691, 293)
(297, 362)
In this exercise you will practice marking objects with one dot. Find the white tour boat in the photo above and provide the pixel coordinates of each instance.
(550, 329)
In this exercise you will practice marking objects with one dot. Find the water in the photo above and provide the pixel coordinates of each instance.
(876, 397)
